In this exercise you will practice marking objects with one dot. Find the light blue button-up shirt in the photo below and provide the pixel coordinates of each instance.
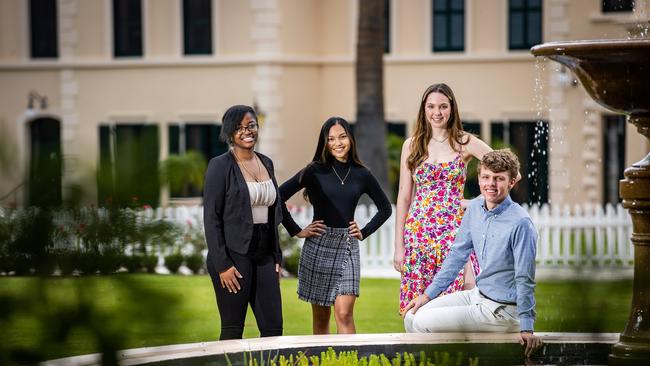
(504, 240)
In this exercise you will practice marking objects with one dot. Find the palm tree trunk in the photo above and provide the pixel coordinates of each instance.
(370, 129)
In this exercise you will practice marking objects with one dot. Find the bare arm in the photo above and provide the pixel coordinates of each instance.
(404, 197)
(477, 148)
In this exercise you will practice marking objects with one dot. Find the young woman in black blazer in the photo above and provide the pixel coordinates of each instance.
(241, 212)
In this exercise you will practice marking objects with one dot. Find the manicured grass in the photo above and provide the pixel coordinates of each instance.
(148, 310)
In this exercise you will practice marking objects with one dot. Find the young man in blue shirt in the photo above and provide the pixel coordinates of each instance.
(504, 239)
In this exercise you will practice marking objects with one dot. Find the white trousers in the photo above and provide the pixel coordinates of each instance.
(463, 311)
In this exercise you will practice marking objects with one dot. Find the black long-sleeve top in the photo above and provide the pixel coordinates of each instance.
(333, 202)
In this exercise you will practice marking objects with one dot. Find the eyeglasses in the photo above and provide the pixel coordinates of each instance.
(252, 127)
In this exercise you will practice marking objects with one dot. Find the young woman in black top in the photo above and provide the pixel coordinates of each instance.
(328, 272)
(241, 212)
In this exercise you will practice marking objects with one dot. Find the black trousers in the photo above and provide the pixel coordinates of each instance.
(260, 287)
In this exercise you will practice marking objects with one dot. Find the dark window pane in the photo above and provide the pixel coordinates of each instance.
(197, 27)
(610, 6)
(529, 140)
(217, 147)
(204, 138)
(174, 132)
(534, 3)
(471, 181)
(516, 30)
(43, 29)
(457, 32)
(457, 4)
(497, 131)
(448, 25)
(534, 28)
(473, 127)
(440, 33)
(395, 139)
(127, 28)
(525, 23)
(613, 156)
(397, 128)
(516, 4)
(197, 138)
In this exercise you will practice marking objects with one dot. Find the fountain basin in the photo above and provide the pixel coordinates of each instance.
(490, 348)
(615, 73)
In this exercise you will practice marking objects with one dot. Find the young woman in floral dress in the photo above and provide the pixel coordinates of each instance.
(430, 199)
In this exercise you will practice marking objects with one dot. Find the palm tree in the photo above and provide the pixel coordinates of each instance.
(370, 127)
(182, 171)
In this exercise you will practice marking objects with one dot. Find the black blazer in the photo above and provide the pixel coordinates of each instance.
(227, 214)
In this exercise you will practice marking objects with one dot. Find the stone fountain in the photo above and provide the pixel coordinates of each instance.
(616, 74)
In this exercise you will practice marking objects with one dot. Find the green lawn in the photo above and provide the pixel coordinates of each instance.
(65, 316)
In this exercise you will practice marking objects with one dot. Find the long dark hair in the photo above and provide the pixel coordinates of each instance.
(424, 131)
(322, 155)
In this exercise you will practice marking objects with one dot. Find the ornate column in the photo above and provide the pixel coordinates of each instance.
(265, 32)
(634, 345)
(69, 89)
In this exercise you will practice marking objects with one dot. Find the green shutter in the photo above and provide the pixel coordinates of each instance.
(105, 188)
(174, 131)
(148, 172)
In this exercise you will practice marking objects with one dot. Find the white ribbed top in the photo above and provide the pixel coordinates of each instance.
(262, 195)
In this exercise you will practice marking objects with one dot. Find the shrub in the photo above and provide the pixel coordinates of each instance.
(45, 264)
(20, 264)
(290, 252)
(149, 262)
(65, 260)
(194, 262)
(88, 262)
(109, 261)
(85, 239)
(173, 262)
(132, 263)
(291, 262)
(4, 263)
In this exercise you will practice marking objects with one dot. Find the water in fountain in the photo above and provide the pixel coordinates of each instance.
(541, 134)
(641, 15)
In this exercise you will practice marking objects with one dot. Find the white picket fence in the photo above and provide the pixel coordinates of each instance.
(584, 241)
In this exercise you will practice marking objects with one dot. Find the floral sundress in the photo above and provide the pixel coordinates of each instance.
(431, 225)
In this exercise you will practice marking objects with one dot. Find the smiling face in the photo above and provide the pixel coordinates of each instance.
(338, 143)
(437, 109)
(245, 136)
(495, 187)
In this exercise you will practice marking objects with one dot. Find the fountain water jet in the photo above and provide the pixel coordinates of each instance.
(616, 74)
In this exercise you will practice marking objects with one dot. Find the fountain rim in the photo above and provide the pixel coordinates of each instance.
(589, 47)
(146, 355)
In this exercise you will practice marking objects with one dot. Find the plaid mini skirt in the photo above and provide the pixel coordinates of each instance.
(329, 266)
